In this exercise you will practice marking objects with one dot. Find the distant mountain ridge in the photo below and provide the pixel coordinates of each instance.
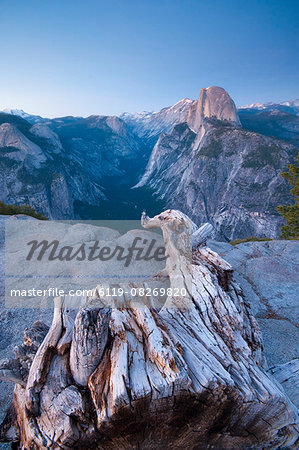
(149, 125)
(269, 106)
(19, 112)
(174, 110)
(279, 120)
(203, 156)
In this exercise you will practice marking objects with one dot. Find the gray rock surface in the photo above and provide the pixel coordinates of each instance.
(18, 148)
(148, 125)
(44, 131)
(268, 273)
(288, 376)
(63, 167)
(220, 173)
(213, 103)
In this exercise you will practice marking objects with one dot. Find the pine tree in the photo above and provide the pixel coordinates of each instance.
(20, 209)
(291, 212)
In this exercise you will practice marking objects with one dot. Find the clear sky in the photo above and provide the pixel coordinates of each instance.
(82, 57)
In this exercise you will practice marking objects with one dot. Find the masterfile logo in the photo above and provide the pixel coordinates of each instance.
(106, 263)
(140, 250)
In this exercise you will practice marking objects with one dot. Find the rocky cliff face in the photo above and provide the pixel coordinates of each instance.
(213, 103)
(149, 125)
(62, 167)
(215, 171)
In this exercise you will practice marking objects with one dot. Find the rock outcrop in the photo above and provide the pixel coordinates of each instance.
(62, 167)
(215, 171)
(18, 148)
(213, 103)
(12, 321)
(44, 131)
(268, 274)
(148, 125)
(189, 374)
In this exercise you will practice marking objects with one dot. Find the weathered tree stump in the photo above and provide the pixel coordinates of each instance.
(188, 376)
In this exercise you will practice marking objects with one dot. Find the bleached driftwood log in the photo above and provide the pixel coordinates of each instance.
(188, 376)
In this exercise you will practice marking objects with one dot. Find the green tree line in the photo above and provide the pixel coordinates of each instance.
(20, 209)
(291, 212)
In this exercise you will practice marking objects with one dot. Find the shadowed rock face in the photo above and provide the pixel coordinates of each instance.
(213, 103)
(215, 171)
(61, 167)
(275, 123)
(181, 376)
(149, 125)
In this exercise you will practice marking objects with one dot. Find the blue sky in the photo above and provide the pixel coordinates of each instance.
(87, 57)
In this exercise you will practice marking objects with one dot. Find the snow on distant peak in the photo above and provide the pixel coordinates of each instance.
(148, 124)
(21, 113)
(291, 103)
(255, 106)
(271, 105)
(16, 112)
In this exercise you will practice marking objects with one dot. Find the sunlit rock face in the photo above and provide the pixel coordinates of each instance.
(213, 103)
(214, 170)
